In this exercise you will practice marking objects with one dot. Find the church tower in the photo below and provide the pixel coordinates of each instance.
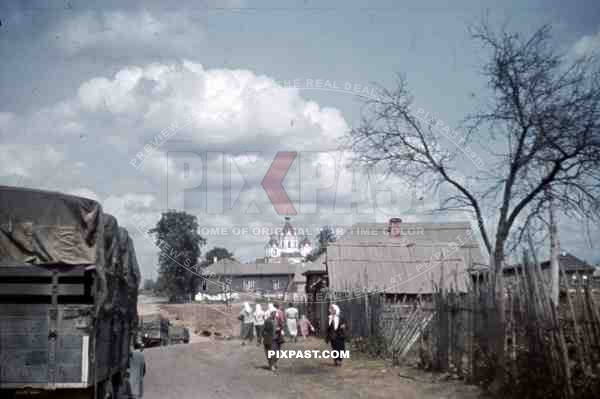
(287, 245)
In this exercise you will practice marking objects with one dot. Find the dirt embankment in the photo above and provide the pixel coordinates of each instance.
(201, 319)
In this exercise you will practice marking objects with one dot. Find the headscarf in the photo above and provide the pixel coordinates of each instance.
(335, 318)
(247, 308)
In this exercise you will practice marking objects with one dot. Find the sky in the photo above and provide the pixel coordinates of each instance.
(224, 86)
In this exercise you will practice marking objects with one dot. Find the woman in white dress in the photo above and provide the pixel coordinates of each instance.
(247, 318)
(259, 322)
(291, 316)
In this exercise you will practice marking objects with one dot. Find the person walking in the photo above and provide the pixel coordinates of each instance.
(272, 337)
(279, 316)
(336, 332)
(291, 319)
(305, 326)
(259, 322)
(247, 318)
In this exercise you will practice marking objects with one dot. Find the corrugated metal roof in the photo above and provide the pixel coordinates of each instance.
(442, 252)
(415, 232)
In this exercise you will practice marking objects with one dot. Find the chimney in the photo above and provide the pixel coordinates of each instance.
(394, 228)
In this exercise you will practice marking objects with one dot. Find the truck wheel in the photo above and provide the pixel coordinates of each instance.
(105, 390)
(122, 390)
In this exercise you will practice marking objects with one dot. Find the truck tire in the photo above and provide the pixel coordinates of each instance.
(122, 391)
(105, 390)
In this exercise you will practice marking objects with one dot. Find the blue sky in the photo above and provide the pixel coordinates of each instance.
(54, 135)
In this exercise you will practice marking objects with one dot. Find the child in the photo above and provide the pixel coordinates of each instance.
(305, 326)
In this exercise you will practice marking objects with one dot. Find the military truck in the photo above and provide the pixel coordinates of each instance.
(178, 334)
(68, 297)
(154, 330)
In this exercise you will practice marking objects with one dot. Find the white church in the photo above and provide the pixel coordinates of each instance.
(287, 246)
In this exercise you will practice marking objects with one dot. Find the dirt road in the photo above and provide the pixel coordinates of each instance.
(224, 369)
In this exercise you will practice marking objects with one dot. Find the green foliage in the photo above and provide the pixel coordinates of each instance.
(219, 253)
(326, 235)
(374, 346)
(149, 285)
(176, 234)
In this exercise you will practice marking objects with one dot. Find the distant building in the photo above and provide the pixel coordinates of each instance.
(279, 271)
(576, 270)
(287, 245)
(257, 278)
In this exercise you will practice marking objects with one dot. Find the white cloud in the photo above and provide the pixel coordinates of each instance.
(84, 192)
(125, 207)
(208, 107)
(587, 45)
(118, 31)
(28, 160)
(217, 106)
(6, 119)
(112, 118)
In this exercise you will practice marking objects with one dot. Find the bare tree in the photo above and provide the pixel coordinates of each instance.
(540, 123)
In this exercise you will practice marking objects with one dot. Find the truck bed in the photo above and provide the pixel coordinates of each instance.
(48, 339)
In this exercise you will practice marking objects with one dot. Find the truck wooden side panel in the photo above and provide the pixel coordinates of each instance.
(23, 343)
(46, 343)
(30, 354)
(68, 293)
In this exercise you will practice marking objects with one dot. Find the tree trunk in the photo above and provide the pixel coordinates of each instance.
(497, 305)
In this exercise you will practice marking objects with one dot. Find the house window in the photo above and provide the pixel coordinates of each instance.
(289, 244)
(249, 285)
(276, 285)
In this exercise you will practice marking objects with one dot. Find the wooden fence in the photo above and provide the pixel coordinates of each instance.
(533, 350)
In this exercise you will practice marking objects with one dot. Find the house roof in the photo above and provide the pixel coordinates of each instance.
(418, 233)
(567, 262)
(571, 263)
(411, 264)
(234, 268)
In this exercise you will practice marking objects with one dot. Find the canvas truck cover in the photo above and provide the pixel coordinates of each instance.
(131, 273)
(42, 227)
(110, 272)
(48, 228)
